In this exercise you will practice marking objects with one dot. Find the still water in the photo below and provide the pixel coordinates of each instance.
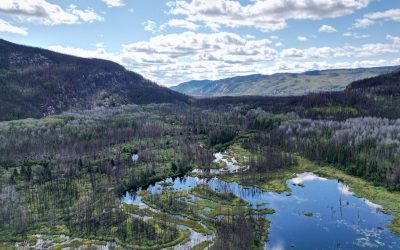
(339, 219)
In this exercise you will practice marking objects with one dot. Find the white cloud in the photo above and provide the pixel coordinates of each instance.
(7, 27)
(292, 52)
(150, 26)
(348, 51)
(392, 14)
(87, 15)
(99, 52)
(371, 18)
(174, 58)
(327, 29)
(266, 15)
(179, 23)
(302, 38)
(43, 12)
(224, 46)
(213, 26)
(394, 39)
(355, 35)
(114, 3)
(363, 23)
(279, 44)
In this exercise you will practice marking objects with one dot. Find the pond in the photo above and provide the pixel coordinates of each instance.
(318, 213)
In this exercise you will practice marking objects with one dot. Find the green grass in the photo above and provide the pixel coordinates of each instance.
(261, 204)
(205, 192)
(336, 109)
(73, 244)
(183, 236)
(134, 209)
(191, 220)
(7, 246)
(395, 225)
(267, 225)
(202, 245)
(268, 211)
(240, 154)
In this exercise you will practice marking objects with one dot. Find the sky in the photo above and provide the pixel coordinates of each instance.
(175, 41)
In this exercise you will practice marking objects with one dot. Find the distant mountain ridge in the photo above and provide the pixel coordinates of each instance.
(36, 82)
(281, 84)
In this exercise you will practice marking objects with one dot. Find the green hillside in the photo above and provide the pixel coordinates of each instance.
(284, 84)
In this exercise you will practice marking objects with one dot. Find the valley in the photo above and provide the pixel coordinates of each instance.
(72, 178)
(319, 170)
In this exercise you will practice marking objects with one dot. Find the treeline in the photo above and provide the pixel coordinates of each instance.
(266, 156)
(366, 147)
(377, 97)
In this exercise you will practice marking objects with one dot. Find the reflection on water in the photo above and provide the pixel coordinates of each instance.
(339, 219)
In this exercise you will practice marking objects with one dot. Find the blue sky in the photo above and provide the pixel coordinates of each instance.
(175, 41)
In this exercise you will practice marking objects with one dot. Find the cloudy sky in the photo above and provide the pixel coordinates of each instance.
(175, 41)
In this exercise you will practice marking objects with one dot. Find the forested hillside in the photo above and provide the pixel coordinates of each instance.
(384, 84)
(35, 82)
(282, 84)
(377, 96)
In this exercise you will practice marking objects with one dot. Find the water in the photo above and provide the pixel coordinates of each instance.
(340, 220)
(135, 157)
(231, 165)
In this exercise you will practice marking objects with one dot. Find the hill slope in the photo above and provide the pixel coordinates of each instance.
(387, 83)
(377, 96)
(284, 84)
(36, 82)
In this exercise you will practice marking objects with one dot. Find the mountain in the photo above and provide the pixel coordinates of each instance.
(377, 96)
(388, 83)
(36, 82)
(282, 84)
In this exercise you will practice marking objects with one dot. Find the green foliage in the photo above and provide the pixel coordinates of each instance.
(221, 135)
(204, 191)
(202, 245)
(265, 121)
(335, 110)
